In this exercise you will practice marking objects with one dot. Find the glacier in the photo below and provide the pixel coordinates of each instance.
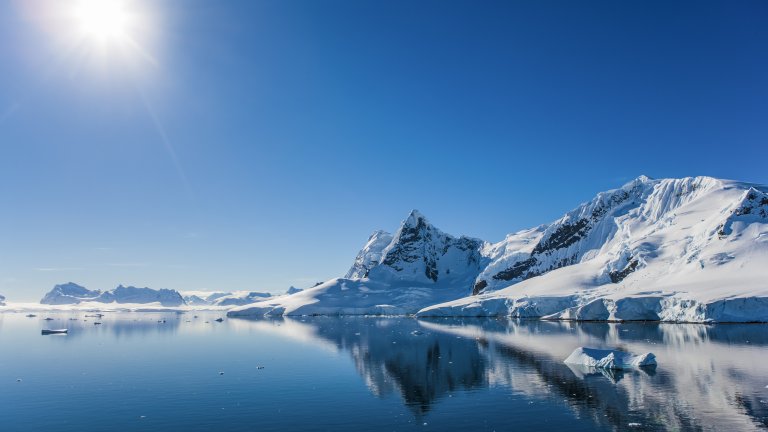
(692, 249)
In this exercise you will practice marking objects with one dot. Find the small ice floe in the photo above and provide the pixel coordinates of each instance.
(219, 319)
(54, 331)
(259, 367)
(609, 359)
(30, 315)
(417, 332)
(221, 373)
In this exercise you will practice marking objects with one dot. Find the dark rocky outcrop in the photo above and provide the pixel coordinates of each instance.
(618, 276)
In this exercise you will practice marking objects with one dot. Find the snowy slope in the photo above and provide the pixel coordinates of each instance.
(419, 266)
(692, 249)
(370, 255)
(71, 293)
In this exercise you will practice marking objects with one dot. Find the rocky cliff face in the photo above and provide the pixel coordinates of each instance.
(420, 253)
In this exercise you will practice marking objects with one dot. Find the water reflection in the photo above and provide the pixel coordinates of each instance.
(709, 377)
(119, 325)
(399, 356)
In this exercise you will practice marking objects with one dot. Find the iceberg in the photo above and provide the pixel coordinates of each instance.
(609, 359)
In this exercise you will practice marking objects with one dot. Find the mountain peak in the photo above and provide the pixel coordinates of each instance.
(414, 217)
(641, 179)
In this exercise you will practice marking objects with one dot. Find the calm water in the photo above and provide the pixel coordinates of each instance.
(343, 374)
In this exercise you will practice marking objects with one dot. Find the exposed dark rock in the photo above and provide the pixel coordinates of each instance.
(405, 249)
(618, 276)
(520, 269)
(479, 287)
(564, 236)
(430, 268)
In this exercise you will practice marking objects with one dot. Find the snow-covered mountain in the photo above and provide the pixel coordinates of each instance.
(294, 290)
(393, 274)
(221, 298)
(239, 299)
(72, 293)
(690, 249)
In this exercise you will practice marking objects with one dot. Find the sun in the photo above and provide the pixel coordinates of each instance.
(103, 20)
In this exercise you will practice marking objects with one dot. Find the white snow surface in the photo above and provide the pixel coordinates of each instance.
(609, 359)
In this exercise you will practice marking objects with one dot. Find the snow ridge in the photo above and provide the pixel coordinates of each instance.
(370, 255)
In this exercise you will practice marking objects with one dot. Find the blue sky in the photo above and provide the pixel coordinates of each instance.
(255, 145)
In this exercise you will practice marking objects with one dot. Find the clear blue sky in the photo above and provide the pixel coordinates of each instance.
(256, 144)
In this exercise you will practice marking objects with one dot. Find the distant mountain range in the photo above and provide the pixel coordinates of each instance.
(71, 293)
(690, 249)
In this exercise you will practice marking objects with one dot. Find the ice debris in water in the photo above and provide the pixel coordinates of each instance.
(609, 359)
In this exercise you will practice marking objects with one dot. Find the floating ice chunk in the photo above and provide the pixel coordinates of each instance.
(54, 331)
(609, 359)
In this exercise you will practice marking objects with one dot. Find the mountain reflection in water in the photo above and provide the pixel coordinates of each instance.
(709, 376)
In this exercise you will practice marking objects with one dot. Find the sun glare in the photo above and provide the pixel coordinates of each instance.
(102, 19)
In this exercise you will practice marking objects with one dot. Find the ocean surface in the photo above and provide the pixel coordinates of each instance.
(187, 372)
